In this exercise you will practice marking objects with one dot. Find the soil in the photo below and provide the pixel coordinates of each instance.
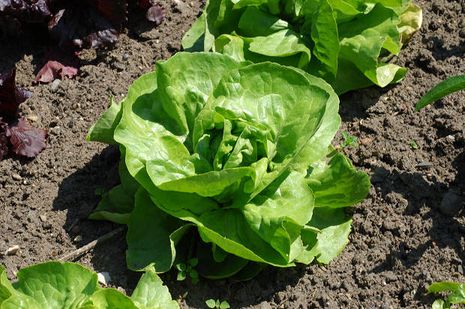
(408, 233)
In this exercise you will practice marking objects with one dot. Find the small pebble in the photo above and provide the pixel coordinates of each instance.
(119, 66)
(43, 218)
(104, 278)
(77, 238)
(424, 165)
(54, 85)
(16, 177)
(47, 225)
(32, 118)
(181, 6)
(12, 250)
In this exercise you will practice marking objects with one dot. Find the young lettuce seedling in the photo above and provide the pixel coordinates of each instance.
(188, 269)
(350, 141)
(217, 304)
(413, 145)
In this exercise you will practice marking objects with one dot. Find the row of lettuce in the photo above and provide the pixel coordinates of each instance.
(226, 153)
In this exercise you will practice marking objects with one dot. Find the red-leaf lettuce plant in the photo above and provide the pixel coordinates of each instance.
(17, 135)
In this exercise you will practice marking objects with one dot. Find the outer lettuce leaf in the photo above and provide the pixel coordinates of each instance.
(324, 34)
(410, 21)
(342, 41)
(238, 151)
(6, 289)
(109, 299)
(150, 293)
(117, 204)
(103, 130)
(214, 263)
(331, 236)
(455, 292)
(152, 235)
(336, 183)
(58, 285)
(52, 285)
(284, 44)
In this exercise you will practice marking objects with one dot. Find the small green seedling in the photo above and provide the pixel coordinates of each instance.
(413, 144)
(99, 191)
(217, 304)
(188, 269)
(350, 141)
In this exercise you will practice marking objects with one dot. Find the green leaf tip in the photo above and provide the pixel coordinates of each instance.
(444, 88)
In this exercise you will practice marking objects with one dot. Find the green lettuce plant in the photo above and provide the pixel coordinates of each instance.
(455, 294)
(59, 285)
(229, 163)
(347, 42)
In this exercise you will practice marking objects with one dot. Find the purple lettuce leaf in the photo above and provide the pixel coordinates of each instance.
(3, 139)
(19, 136)
(26, 140)
(88, 24)
(11, 95)
(30, 11)
(156, 14)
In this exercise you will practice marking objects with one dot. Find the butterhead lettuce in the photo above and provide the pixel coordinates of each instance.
(60, 285)
(229, 162)
(346, 42)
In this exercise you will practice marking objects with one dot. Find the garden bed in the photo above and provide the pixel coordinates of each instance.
(406, 234)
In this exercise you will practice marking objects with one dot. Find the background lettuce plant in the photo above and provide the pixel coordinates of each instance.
(346, 42)
(58, 285)
(230, 163)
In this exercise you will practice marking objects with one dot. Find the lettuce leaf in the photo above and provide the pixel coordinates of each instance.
(345, 42)
(58, 285)
(454, 291)
(239, 155)
(17, 135)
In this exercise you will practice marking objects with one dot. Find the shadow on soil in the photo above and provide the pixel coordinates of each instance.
(264, 287)
(440, 52)
(446, 231)
(354, 105)
(77, 195)
(36, 42)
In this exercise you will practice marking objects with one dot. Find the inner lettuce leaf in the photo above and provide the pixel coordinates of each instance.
(58, 285)
(233, 156)
(346, 42)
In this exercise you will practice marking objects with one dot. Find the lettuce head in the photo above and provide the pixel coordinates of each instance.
(229, 162)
